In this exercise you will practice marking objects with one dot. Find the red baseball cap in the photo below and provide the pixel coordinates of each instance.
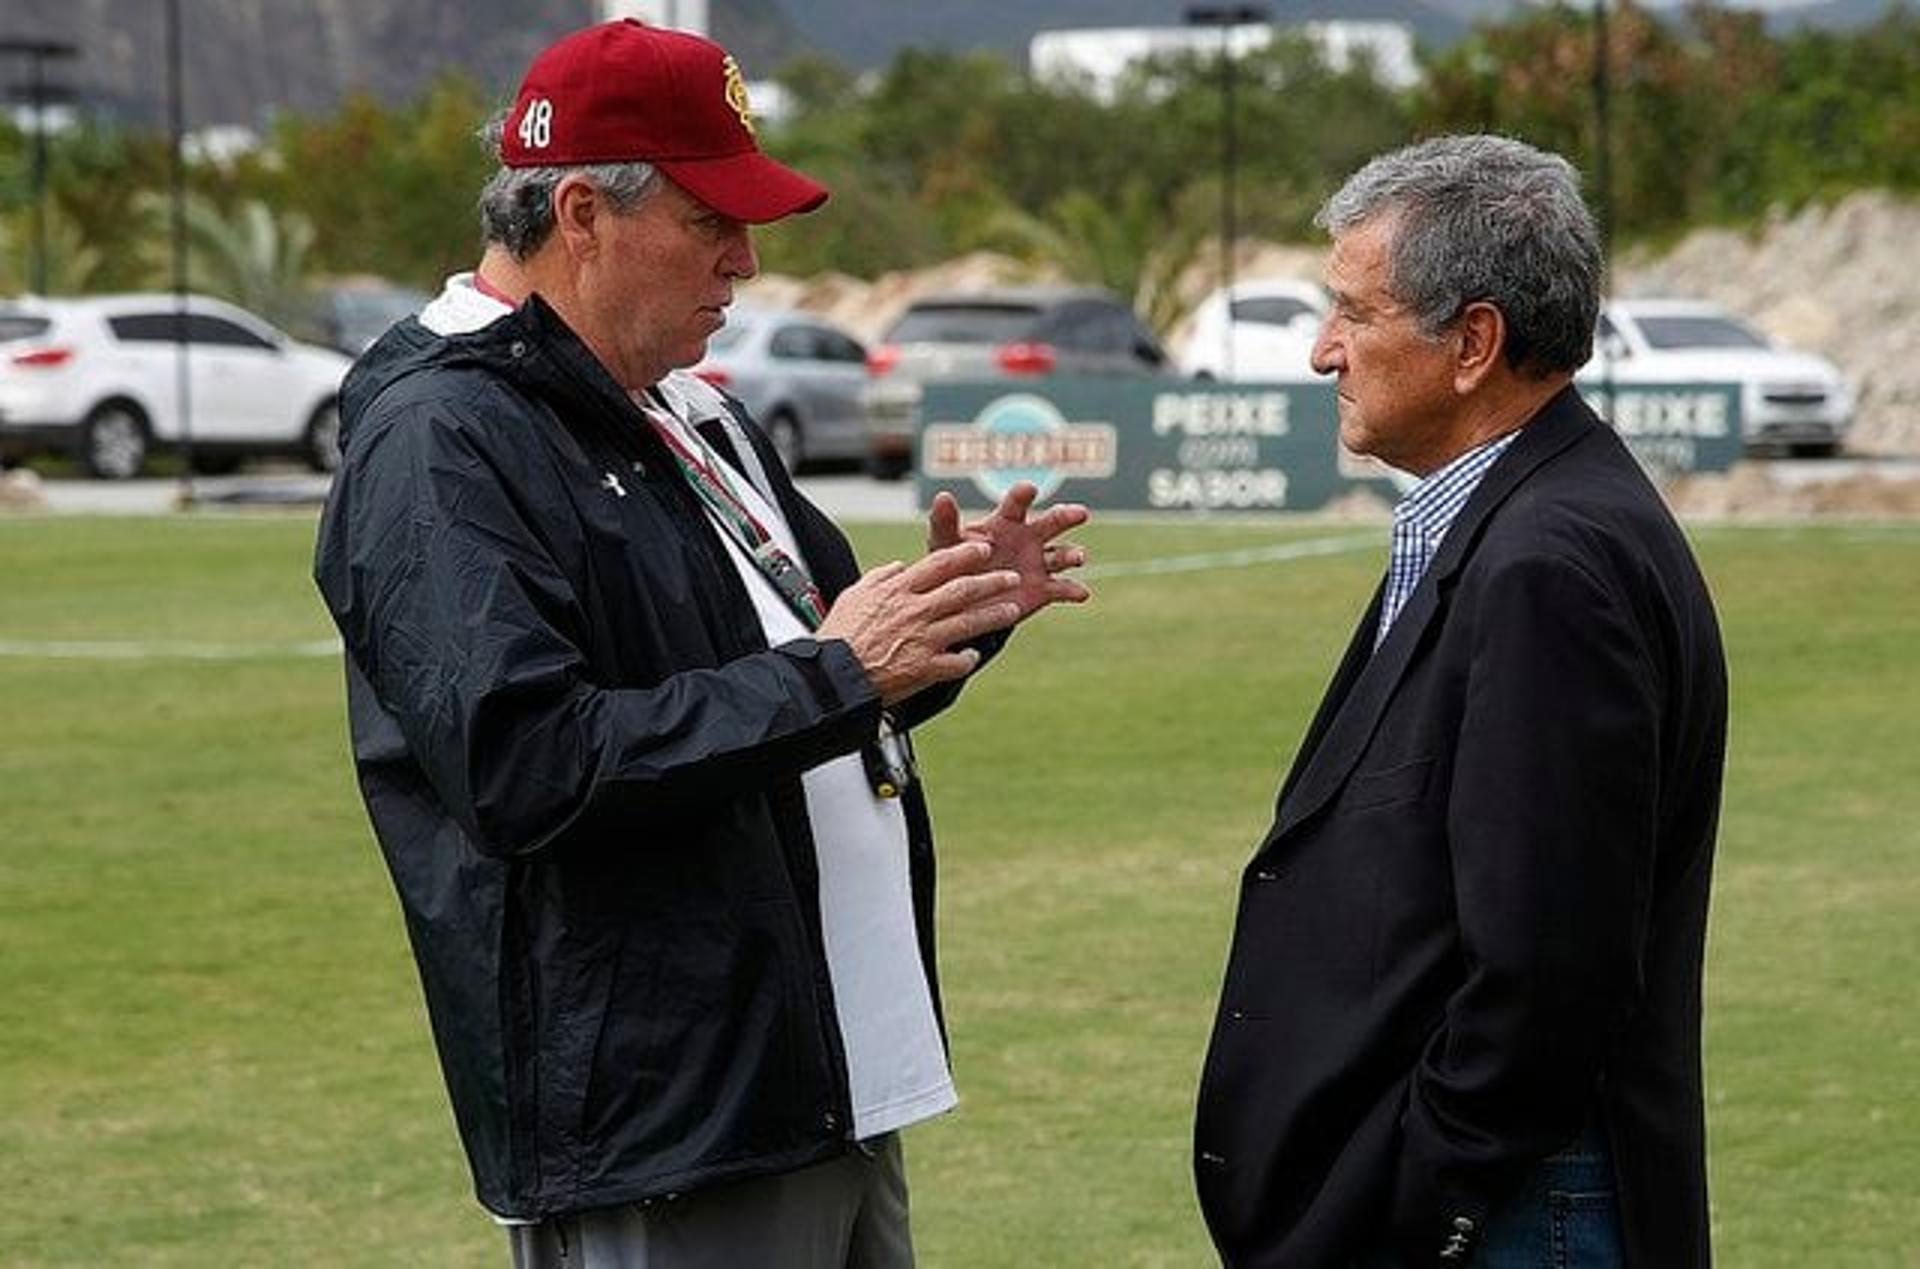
(623, 91)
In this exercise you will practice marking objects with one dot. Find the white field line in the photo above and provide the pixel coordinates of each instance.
(164, 650)
(1246, 557)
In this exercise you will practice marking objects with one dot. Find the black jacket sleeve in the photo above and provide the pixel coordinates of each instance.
(470, 635)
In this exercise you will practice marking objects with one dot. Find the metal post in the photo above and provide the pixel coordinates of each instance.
(38, 52)
(38, 87)
(1227, 17)
(1603, 129)
(1229, 156)
(177, 182)
(1603, 184)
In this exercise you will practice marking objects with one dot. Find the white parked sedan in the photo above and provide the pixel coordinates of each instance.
(99, 377)
(1791, 400)
(1273, 325)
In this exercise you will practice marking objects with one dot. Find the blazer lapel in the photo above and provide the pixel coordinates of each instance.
(1352, 664)
(1365, 683)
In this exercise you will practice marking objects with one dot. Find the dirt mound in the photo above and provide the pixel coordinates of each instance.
(1753, 491)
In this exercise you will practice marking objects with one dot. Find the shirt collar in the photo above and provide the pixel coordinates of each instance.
(1429, 507)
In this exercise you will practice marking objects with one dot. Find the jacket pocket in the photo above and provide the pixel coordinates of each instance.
(1403, 783)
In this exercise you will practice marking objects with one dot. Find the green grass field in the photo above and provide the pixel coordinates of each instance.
(212, 1049)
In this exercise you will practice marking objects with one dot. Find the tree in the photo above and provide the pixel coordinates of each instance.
(255, 257)
(388, 192)
(72, 266)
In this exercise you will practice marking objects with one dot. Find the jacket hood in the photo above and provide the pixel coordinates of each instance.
(405, 348)
(531, 346)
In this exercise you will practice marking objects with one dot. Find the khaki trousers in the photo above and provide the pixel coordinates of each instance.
(846, 1213)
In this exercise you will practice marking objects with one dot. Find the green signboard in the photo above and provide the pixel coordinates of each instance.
(1187, 445)
(1673, 428)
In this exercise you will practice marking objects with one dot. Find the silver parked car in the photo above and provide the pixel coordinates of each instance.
(799, 375)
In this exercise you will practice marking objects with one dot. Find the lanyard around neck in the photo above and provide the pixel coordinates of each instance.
(784, 573)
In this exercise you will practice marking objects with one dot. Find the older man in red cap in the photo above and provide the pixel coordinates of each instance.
(631, 725)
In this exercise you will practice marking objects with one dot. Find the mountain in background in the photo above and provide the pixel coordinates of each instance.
(243, 60)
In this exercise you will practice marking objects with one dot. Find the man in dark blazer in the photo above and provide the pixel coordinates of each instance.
(1461, 1017)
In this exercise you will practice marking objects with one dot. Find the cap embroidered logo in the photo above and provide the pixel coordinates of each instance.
(737, 94)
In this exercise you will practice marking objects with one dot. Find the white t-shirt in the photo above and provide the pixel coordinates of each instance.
(896, 1063)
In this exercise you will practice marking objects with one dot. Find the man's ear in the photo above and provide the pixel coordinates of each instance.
(1482, 329)
(576, 216)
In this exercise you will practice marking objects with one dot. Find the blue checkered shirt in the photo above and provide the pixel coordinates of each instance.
(1422, 518)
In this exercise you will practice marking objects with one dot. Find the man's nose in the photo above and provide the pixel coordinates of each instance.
(741, 260)
(1325, 357)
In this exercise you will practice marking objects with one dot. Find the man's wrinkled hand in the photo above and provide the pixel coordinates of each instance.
(1020, 541)
(905, 622)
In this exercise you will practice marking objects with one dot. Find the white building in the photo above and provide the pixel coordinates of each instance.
(680, 15)
(1099, 57)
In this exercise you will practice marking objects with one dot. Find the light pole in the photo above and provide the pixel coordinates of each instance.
(177, 198)
(1603, 187)
(39, 52)
(1226, 17)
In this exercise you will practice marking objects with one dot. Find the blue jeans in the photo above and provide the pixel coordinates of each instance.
(1564, 1216)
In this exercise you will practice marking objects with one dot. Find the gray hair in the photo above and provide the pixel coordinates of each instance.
(516, 204)
(1485, 218)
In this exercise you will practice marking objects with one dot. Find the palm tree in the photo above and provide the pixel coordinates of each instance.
(254, 256)
(1133, 245)
(72, 265)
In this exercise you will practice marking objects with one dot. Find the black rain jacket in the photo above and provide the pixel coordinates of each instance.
(583, 766)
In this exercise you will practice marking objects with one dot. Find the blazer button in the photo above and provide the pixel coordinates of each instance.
(830, 1121)
(1213, 1160)
(1265, 874)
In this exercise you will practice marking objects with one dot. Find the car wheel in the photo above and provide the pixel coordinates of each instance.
(113, 442)
(784, 431)
(322, 443)
(888, 466)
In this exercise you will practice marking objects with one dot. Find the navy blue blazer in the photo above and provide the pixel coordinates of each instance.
(1477, 922)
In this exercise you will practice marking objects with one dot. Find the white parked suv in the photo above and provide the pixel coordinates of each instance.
(1789, 400)
(1274, 322)
(98, 377)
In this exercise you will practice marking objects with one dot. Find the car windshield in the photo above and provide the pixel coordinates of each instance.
(362, 314)
(17, 326)
(1698, 331)
(1271, 310)
(964, 324)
